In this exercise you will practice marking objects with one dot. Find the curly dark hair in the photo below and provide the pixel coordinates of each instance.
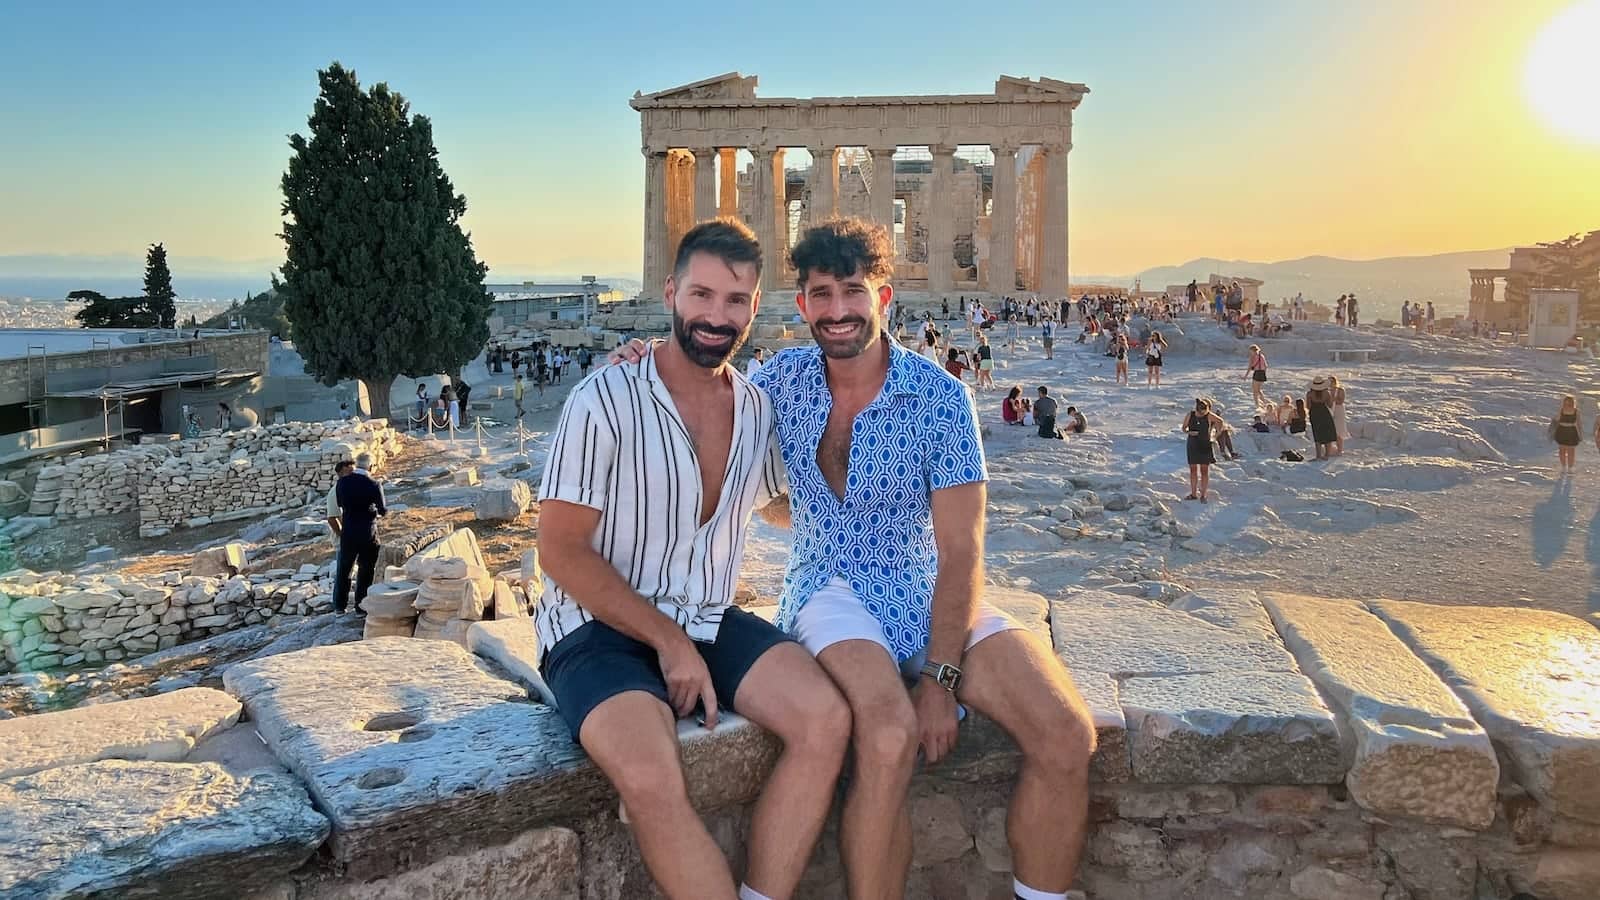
(843, 247)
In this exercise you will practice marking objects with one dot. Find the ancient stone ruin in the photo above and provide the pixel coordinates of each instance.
(1251, 745)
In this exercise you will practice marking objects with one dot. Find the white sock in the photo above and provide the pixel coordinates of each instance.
(1024, 892)
(746, 892)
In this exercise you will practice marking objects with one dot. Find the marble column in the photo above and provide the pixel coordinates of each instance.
(728, 189)
(705, 185)
(882, 199)
(941, 221)
(1053, 281)
(655, 223)
(1003, 222)
(770, 220)
(824, 200)
(680, 199)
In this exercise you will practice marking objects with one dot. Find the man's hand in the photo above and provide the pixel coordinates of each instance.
(936, 719)
(687, 678)
(633, 351)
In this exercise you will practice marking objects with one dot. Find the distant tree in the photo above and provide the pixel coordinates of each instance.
(263, 311)
(380, 280)
(158, 287)
(1572, 263)
(100, 311)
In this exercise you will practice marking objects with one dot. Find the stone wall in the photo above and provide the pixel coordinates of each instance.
(53, 620)
(222, 477)
(1254, 745)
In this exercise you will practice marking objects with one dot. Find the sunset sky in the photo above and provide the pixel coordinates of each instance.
(1262, 130)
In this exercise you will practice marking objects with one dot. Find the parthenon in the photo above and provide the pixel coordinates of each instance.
(973, 187)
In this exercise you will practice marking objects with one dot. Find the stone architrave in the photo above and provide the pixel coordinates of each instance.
(1531, 678)
(1418, 753)
(724, 112)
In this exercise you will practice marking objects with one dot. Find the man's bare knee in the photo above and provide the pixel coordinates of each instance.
(646, 784)
(886, 738)
(823, 725)
(1061, 741)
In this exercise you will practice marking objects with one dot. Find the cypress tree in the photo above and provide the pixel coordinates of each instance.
(380, 280)
(158, 287)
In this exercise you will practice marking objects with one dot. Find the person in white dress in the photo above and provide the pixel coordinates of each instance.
(1343, 432)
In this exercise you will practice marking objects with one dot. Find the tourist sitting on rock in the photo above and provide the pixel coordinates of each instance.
(1283, 413)
(1260, 426)
(1224, 439)
(640, 629)
(1044, 414)
(1298, 418)
(1013, 406)
(1076, 423)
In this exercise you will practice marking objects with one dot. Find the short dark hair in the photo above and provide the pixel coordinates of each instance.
(344, 463)
(843, 247)
(1044, 390)
(729, 240)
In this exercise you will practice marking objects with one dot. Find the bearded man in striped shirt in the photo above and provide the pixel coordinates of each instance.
(654, 471)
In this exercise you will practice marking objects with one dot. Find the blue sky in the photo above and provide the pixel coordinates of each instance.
(1226, 129)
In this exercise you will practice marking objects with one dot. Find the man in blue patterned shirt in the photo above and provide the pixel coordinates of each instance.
(887, 492)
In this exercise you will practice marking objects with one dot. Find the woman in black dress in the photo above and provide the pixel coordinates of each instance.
(1198, 425)
(1565, 430)
(1319, 404)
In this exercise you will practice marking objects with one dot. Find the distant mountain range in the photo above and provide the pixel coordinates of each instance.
(1381, 283)
(1385, 282)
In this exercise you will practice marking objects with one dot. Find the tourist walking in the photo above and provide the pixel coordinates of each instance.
(1319, 407)
(519, 390)
(1256, 371)
(1566, 431)
(1047, 337)
(1119, 352)
(1155, 349)
(360, 500)
(1338, 411)
(984, 363)
(1198, 425)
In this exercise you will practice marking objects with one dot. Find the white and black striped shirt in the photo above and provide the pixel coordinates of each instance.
(622, 448)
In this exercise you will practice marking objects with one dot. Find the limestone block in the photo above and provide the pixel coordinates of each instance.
(149, 829)
(513, 645)
(392, 600)
(506, 603)
(466, 477)
(543, 862)
(164, 727)
(531, 574)
(415, 753)
(381, 627)
(1418, 751)
(225, 560)
(503, 500)
(1531, 678)
(1202, 703)
(460, 543)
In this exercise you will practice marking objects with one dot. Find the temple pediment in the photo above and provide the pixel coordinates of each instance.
(1011, 86)
(727, 86)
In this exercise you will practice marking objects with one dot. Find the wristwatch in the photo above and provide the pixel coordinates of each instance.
(944, 674)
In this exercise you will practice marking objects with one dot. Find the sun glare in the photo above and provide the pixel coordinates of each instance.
(1562, 80)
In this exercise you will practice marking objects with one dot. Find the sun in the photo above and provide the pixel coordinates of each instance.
(1562, 80)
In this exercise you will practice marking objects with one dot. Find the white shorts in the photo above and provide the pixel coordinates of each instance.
(835, 614)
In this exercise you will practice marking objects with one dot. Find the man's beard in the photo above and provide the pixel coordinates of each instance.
(703, 356)
(849, 347)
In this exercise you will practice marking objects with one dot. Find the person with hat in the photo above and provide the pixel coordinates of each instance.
(1319, 405)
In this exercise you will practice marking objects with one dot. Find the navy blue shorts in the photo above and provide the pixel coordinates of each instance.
(597, 662)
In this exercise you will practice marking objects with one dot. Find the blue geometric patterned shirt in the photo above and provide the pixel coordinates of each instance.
(920, 435)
